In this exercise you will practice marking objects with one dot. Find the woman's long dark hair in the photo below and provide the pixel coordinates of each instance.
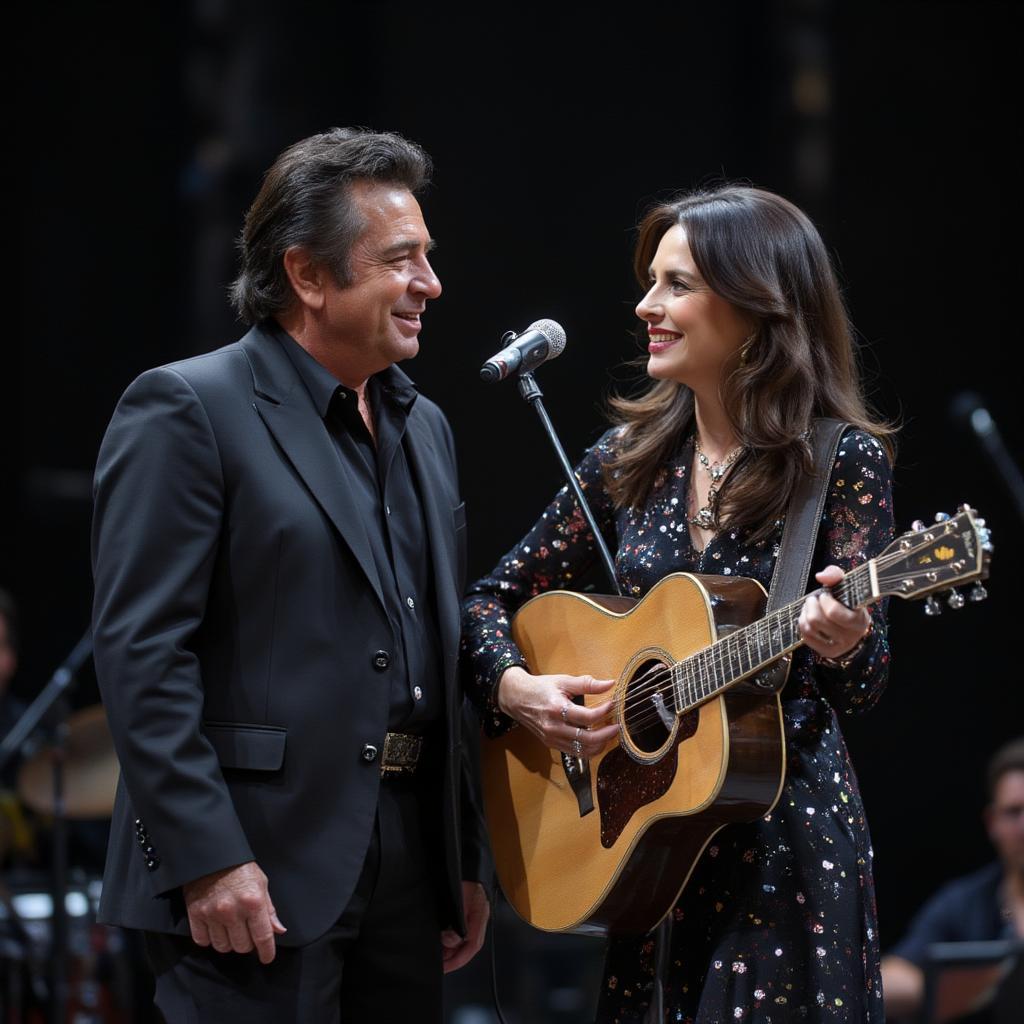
(763, 255)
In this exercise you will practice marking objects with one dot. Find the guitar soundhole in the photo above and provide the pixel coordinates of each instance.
(649, 705)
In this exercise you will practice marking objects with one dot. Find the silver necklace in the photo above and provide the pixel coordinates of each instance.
(706, 518)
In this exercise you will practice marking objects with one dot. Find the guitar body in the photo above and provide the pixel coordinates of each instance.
(607, 845)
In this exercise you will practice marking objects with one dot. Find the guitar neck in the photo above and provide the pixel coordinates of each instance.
(750, 650)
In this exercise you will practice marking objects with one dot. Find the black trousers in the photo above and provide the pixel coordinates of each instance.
(381, 960)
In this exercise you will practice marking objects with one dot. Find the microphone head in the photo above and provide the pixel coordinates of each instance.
(968, 408)
(555, 334)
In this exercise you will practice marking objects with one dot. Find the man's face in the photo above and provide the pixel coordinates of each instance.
(1004, 818)
(376, 318)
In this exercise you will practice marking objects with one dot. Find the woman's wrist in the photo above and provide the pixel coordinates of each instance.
(844, 661)
(503, 671)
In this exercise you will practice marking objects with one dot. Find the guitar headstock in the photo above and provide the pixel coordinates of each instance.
(952, 551)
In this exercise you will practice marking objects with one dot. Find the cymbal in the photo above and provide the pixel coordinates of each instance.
(90, 770)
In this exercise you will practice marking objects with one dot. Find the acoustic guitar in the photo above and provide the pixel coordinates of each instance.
(607, 844)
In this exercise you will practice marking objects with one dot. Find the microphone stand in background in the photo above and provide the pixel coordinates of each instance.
(969, 407)
(52, 703)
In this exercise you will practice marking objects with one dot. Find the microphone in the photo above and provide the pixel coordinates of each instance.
(968, 407)
(542, 340)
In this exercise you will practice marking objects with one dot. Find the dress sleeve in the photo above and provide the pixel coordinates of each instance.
(856, 525)
(552, 556)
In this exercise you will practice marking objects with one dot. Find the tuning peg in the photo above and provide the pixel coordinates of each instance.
(918, 526)
(978, 592)
(955, 600)
(931, 606)
(967, 508)
(979, 522)
(941, 517)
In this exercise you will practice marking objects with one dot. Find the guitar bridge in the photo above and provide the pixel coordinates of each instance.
(577, 773)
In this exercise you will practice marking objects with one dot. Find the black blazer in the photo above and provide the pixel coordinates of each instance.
(241, 641)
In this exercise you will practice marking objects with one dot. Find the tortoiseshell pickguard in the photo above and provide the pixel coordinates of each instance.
(625, 785)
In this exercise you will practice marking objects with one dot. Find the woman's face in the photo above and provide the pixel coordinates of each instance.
(692, 332)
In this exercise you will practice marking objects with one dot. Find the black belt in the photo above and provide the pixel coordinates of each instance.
(401, 754)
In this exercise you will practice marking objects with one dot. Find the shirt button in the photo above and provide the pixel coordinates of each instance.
(417, 692)
(381, 660)
(410, 602)
(369, 753)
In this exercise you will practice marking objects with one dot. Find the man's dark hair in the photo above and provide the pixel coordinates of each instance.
(306, 200)
(1008, 758)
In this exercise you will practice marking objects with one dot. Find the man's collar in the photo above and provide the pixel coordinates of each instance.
(322, 385)
(398, 386)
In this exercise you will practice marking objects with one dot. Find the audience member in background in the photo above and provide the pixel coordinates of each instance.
(987, 904)
(15, 837)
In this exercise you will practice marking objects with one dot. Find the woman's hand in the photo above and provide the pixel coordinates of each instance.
(827, 625)
(544, 704)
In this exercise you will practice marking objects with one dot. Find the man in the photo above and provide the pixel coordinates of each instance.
(988, 904)
(279, 553)
(11, 709)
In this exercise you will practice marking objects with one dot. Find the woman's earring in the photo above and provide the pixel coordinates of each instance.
(746, 348)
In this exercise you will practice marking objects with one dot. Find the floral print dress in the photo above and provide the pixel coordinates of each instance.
(778, 920)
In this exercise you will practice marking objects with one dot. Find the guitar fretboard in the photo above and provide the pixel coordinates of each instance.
(751, 649)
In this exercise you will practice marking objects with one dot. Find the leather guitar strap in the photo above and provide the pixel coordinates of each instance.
(803, 517)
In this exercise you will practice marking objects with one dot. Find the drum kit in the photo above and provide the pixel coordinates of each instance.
(97, 987)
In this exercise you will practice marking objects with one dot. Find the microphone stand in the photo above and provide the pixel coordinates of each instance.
(992, 442)
(52, 700)
(532, 394)
(968, 408)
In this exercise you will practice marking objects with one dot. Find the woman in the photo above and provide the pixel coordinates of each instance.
(748, 342)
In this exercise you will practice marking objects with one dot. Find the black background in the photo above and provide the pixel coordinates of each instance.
(145, 130)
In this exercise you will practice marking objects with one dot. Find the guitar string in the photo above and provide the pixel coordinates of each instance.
(638, 695)
(726, 647)
(737, 643)
(732, 647)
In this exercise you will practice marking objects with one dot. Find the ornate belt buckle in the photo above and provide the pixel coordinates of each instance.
(401, 753)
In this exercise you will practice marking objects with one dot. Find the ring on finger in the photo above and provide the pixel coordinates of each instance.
(565, 712)
(577, 748)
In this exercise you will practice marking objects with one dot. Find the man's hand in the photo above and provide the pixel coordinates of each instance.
(455, 950)
(231, 911)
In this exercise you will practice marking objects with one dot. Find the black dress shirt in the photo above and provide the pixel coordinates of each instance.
(384, 491)
(967, 909)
